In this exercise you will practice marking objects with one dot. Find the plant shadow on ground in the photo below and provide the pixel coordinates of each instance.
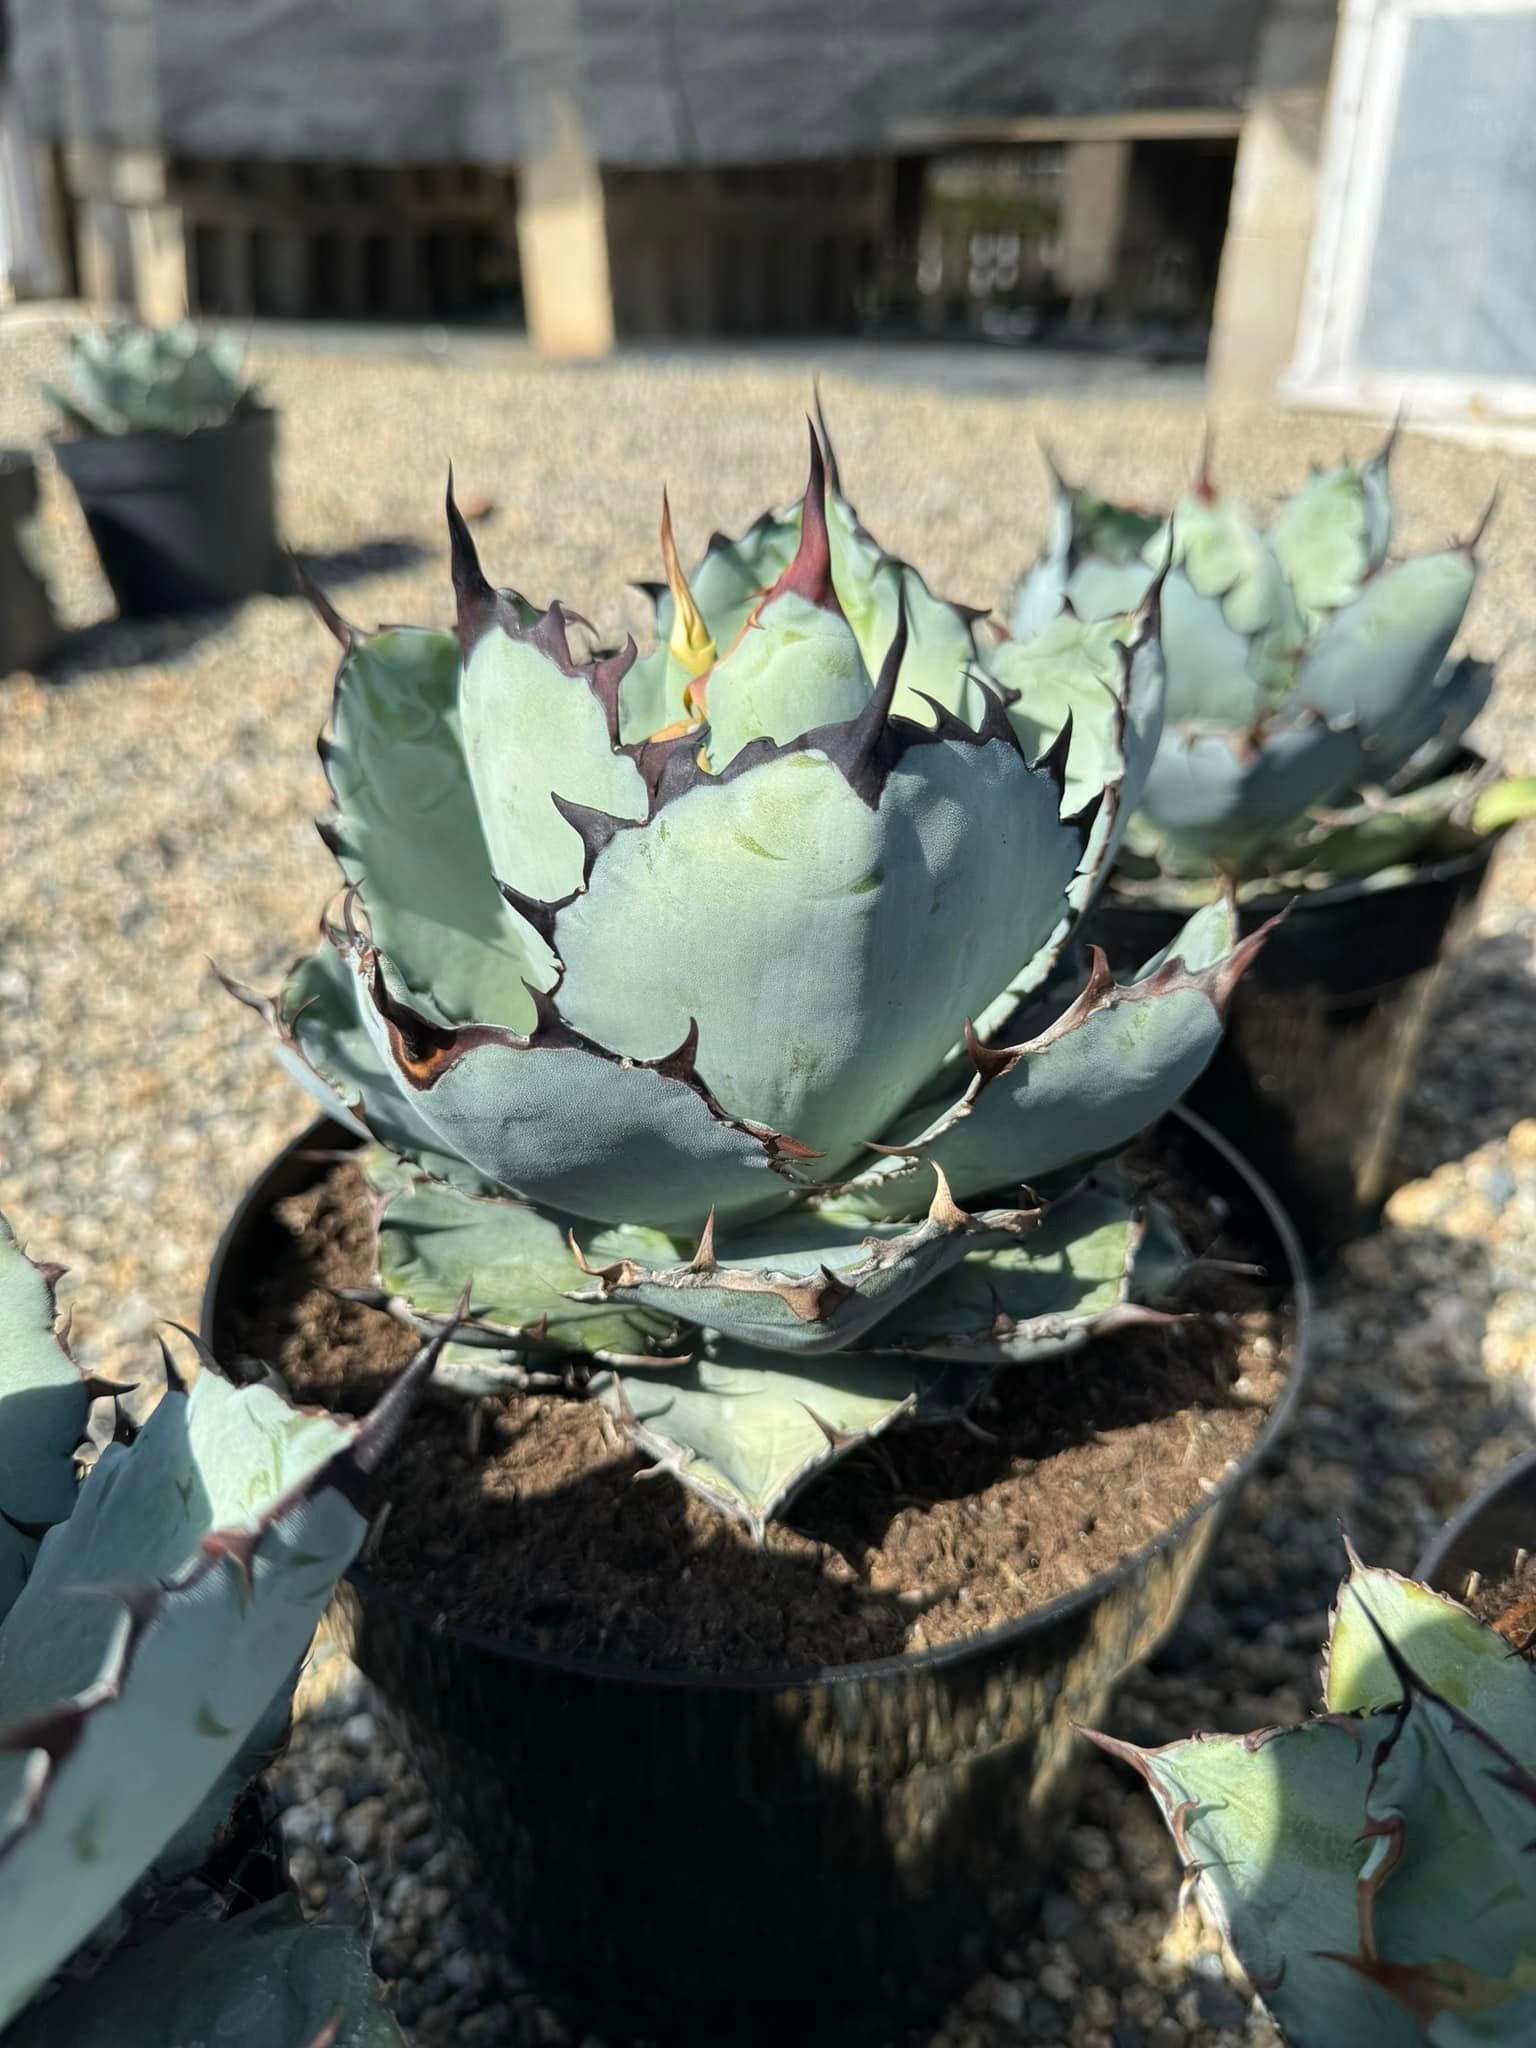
(128, 643)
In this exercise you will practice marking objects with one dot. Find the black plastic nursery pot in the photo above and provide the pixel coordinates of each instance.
(182, 522)
(1324, 1031)
(1488, 1533)
(808, 1856)
(29, 632)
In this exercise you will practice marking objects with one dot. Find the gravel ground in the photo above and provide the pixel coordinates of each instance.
(156, 793)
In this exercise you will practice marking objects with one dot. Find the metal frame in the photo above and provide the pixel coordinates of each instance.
(1362, 115)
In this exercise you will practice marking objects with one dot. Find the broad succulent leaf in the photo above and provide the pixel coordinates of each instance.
(1370, 662)
(1423, 745)
(1111, 1064)
(747, 1428)
(1334, 533)
(746, 1435)
(1224, 795)
(263, 1979)
(407, 832)
(1375, 1869)
(159, 1618)
(814, 1280)
(1380, 1614)
(1095, 1264)
(520, 1270)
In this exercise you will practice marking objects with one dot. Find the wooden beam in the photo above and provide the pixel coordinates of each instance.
(1153, 125)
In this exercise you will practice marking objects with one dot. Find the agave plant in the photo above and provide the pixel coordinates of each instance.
(151, 380)
(1311, 708)
(651, 983)
(153, 1614)
(1374, 1870)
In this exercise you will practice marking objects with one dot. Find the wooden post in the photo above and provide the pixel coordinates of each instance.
(1274, 202)
(562, 239)
(1094, 183)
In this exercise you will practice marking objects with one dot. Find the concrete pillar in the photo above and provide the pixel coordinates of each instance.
(1274, 203)
(132, 249)
(1096, 176)
(562, 240)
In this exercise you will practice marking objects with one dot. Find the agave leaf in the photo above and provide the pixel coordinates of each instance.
(196, 1841)
(1333, 533)
(1455, 1654)
(519, 1268)
(1221, 796)
(43, 1405)
(897, 918)
(1268, 1828)
(212, 1547)
(1371, 659)
(1420, 744)
(746, 1434)
(535, 728)
(1119, 1057)
(1381, 833)
(1095, 1258)
(407, 829)
(1450, 1816)
(323, 1040)
(808, 1281)
(571, 1126)
(798, 668)
(261, 1980)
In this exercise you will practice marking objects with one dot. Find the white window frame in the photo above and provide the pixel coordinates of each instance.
(1362, 113)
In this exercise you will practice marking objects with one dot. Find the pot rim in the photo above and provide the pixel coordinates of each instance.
(1514, 1478)
(984, 1643)
(62, 443)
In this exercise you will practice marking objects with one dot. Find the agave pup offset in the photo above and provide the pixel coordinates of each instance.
(671, 989)
(1374, 1870)
(163, 1564)
(1312, 710)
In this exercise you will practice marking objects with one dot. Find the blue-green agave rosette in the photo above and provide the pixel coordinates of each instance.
(1374, 1870)
(1303, 667)
(675, 986)
(159, 1587)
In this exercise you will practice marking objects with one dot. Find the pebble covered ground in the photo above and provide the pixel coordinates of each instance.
(156, 795)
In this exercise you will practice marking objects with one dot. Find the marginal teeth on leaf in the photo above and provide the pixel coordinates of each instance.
(703, 1260)
(944, 1209)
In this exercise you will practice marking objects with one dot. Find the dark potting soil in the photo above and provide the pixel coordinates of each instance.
(527, 1522)
(1509, 1605)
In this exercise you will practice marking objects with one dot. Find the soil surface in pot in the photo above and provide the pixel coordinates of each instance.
(1509, 1605)
(528, 1523)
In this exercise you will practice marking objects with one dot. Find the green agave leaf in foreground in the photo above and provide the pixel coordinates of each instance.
(1271, 1823)
(1455, 1654)
(261, 1980)
(220, 1537)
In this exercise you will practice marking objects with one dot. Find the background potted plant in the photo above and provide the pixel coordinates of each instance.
(646, 1004)
(29, 632)
(169, 451)
(1371, 1870)
(1311, 756)
(166, 1549)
